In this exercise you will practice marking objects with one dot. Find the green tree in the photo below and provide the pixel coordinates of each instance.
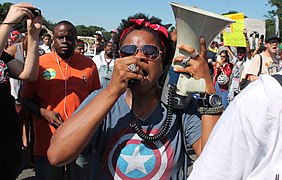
(233, 12)
(230, 12)
(270, 22)
(93, 29)
(50, 25)
(83, 30)
(4, 8)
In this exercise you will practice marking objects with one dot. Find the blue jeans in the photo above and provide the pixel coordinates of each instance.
(222, 94)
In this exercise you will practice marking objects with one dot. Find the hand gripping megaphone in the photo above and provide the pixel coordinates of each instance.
(191, 23)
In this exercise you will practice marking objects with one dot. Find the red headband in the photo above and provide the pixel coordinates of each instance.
(79, 44)
(141, 22)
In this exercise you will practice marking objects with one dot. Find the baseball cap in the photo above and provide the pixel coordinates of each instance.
(99, 33)
(15, 32)
(113, 31)
(272, 37)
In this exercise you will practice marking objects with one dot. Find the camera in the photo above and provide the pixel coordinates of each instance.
(36, 12)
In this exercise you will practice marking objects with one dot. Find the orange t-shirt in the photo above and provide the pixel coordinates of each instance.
(60, 87)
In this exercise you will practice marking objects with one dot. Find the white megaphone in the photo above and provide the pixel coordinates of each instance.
(192, 23)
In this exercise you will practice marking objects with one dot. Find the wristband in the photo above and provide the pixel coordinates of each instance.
(211, 111)
(6, 57)
(8, 23)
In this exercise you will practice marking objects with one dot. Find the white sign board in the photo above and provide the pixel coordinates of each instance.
(255, 25)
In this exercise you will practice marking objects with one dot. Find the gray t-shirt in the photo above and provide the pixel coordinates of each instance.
(234, 85)
(119, 153)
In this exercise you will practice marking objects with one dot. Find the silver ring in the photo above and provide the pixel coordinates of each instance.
(132, 67)
(186, 60)
(195, 54)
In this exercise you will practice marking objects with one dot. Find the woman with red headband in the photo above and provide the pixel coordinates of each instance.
(133, 133)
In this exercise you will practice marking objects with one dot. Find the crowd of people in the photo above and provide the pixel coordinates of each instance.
(103, 118)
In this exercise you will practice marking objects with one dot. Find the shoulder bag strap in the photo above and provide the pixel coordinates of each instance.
(260, 66)
(278, 77)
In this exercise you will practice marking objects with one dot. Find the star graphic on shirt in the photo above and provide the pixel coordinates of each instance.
(136, 161)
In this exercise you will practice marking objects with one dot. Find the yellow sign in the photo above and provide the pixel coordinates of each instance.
(233, 35)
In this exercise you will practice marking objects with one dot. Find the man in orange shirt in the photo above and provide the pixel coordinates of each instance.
(65, 79)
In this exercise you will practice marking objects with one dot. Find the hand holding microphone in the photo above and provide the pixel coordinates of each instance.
(125, 70)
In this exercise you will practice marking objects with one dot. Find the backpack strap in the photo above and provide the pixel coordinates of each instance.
(278, 77)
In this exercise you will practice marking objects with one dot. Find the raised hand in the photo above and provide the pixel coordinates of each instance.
(122, 74)
(197, 66)
(34, 25)
(18, 12)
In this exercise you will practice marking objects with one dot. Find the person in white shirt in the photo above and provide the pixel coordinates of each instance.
(246, 142)
(47, 41)
(105, 63)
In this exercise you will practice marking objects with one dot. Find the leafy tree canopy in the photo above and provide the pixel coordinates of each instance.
(233, 12)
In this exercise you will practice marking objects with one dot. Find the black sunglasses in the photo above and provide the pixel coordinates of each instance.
(273, 41)
(150, 51)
